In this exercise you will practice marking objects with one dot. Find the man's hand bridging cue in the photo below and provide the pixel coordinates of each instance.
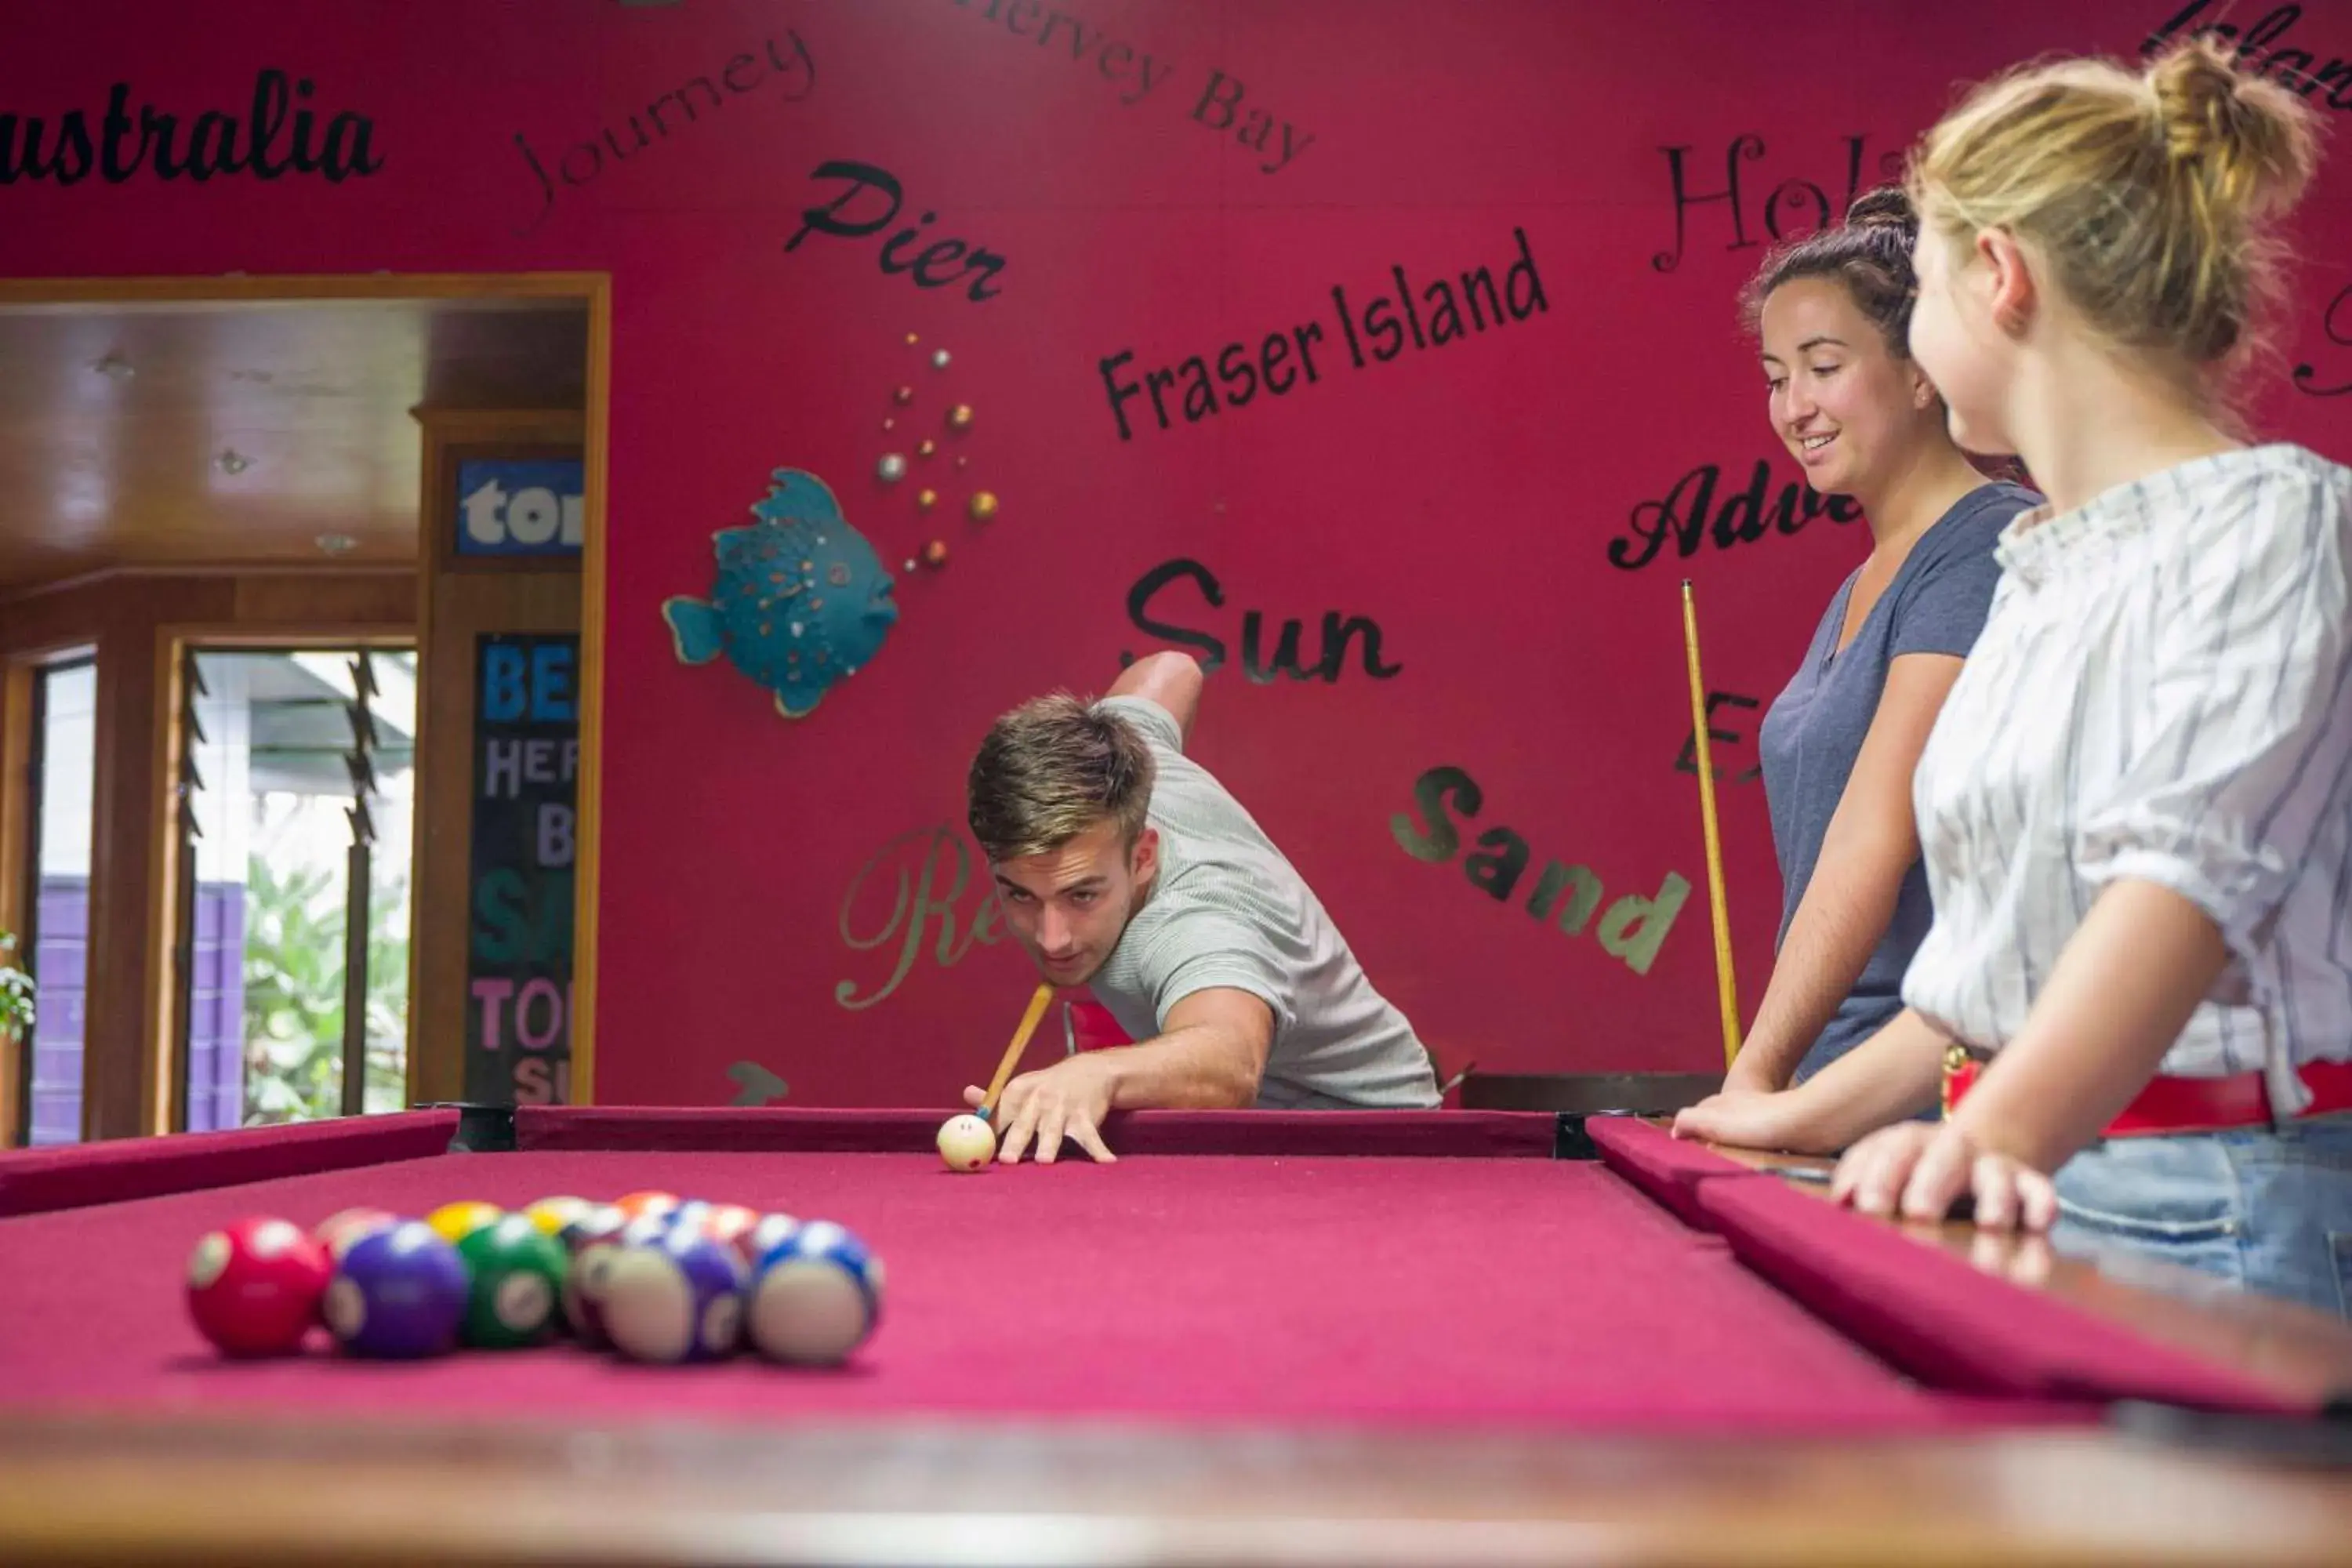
(1068, 1099)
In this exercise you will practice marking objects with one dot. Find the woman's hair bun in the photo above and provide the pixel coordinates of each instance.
(1888, 206)
(2249, 137)
(1869, 254)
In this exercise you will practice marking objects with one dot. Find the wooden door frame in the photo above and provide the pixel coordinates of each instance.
(594, 290)
(171, 641)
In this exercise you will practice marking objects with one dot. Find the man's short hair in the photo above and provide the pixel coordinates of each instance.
(1050, 770)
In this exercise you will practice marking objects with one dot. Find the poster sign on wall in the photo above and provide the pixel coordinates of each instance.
(526, 746)
(512, 506)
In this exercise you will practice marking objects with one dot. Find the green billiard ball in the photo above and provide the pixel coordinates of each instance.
(517, 1289)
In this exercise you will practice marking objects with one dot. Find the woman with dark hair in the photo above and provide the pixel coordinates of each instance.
(1831, 315)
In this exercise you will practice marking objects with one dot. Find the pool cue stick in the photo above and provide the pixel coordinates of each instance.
(1727, 987)
(1029, 1021)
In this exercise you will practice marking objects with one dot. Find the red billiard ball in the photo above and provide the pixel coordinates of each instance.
(254, 1287)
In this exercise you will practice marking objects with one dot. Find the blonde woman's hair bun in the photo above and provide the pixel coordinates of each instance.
(2151, 192)
(2250, 138)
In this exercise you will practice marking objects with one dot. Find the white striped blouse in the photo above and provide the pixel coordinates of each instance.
(2162, 690)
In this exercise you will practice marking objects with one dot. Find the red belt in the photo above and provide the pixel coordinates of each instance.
(2188, 1104)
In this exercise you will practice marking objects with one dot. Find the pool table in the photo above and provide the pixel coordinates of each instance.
(1456, 1337)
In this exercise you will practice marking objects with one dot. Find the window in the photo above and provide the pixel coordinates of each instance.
(57, 946)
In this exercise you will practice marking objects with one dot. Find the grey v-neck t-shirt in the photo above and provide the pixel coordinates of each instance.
(1229, 911)
(1814, 730)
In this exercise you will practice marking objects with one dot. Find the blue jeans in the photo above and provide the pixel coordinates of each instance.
(2264, 1210)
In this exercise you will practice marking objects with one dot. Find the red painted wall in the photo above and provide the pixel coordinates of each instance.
(1467, 498)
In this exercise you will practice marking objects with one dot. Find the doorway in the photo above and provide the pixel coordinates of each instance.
(222, 487)
(295, 932)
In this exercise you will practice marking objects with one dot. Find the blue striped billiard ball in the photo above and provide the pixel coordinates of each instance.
(814, 1296)
(761, 1238)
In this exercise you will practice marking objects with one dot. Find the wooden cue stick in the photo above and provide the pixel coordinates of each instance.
(1727, 987)
(1029, 1022)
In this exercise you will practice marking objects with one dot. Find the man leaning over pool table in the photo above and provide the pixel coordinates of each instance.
(1123, 865)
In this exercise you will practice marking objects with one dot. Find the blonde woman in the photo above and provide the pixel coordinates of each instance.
(2136, 808)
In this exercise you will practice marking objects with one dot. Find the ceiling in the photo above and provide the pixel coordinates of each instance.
(101, 470)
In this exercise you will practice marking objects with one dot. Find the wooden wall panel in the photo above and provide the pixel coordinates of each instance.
(352, 599)
(54, 619)
(461, 602)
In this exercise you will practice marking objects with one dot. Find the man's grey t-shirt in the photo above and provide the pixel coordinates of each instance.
(1814, 730)
(1227, 910)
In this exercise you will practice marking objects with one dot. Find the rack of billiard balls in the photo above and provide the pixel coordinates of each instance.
(651, 1277)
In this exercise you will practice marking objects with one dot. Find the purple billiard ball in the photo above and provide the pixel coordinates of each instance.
(397, 1292)
(677, 1298)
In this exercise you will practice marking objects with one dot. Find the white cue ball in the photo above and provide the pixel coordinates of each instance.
(967, 1143)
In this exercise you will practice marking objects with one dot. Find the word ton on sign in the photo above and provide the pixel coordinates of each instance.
(521, 506)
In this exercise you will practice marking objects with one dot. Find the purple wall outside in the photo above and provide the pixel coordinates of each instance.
(216, 1010)
(60, 968)
(216, 1016)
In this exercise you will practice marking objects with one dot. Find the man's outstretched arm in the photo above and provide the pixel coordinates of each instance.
(1171, 680)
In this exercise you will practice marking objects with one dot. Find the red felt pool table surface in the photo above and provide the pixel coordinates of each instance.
(1383, 1275)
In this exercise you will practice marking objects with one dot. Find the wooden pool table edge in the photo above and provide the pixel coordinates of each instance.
(2300, 1352)
(93, 1491)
